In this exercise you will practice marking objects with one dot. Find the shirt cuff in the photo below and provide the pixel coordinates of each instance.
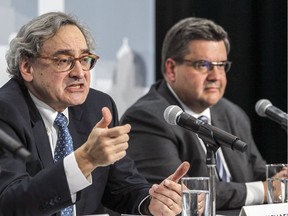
(255, 193)
(143, 206)
(75, 178)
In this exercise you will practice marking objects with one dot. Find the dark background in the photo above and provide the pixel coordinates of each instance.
(258, 35)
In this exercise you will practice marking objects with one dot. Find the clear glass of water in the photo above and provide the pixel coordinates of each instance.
(277, 183)
(195, 196)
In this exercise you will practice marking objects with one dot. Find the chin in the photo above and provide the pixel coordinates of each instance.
(212, 102)
(77, 101)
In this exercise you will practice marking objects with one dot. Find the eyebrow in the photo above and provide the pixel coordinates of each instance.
(69, 52)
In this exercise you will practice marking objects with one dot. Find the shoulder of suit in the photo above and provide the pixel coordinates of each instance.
(225, 105)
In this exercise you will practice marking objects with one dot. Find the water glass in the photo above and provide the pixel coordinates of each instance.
(195, 196)
(277, 183)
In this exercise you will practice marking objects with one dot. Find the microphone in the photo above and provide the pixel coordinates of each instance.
(13, 146)
(265, 108)
(208, 133)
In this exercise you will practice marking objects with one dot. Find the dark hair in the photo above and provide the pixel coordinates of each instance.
(30, 38)
(177, 39)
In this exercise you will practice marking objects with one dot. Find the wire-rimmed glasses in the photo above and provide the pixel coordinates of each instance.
(205, 66)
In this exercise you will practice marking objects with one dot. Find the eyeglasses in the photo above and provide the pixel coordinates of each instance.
(204, 66)
(66, 63)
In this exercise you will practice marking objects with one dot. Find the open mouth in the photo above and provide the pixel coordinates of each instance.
(76, 86)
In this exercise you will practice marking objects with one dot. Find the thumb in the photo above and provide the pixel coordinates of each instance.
(106, 119)
(180, 172)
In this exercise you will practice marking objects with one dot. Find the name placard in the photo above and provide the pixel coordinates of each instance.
(279, 209)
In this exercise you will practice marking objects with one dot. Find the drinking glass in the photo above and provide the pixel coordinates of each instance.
(277, 183)
(195, 196)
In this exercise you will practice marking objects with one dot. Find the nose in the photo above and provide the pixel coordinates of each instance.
(77, 70)
(216, 73)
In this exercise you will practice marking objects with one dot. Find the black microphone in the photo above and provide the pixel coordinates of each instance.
(208, 133)
(265, 108)
(14, 147)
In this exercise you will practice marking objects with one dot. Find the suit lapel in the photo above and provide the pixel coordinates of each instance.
(194, 148)
(234, 159)
(42, 144)
(39, 133)
(75, 126)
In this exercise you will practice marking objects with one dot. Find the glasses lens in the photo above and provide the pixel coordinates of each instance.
(64, 63)
(203, 65)
(88, 62)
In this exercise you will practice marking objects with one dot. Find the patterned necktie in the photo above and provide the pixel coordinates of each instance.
(64, 146)
(219, 164)
(220, 168)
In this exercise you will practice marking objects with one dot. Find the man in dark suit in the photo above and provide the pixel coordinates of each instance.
(50, 61)
(194, 66)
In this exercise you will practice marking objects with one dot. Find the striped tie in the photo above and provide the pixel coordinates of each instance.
(64, 146)
(220, 169)
(223, 176)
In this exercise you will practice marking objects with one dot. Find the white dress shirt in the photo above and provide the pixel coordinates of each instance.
(75, 178)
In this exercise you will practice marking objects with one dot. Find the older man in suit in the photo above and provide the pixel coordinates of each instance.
(194, 66)
(75, 170)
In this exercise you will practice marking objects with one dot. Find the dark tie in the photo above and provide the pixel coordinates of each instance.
(219, 164)
(64, 146)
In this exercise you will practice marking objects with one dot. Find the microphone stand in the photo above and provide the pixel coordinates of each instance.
(211, 164)
(212, 146)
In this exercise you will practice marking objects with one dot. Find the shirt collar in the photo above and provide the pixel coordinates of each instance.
(47, 113)
(189, 111)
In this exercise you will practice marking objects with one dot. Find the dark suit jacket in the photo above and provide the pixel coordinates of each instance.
(158, 148)
(40, 187)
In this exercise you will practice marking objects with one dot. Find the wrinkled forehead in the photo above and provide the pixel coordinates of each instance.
(68, 38)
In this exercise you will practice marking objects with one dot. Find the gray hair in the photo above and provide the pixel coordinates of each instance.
(177, 39)
(30, 38)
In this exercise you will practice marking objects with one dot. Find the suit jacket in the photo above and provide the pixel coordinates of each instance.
(158, 148)
(40, 187)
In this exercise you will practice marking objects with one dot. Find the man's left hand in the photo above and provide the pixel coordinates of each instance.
(166, 198)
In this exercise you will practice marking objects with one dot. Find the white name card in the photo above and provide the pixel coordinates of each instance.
(279, 209)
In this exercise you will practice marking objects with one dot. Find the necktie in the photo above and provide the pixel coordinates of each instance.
(220, 168)
(64, 146)
(219, 163)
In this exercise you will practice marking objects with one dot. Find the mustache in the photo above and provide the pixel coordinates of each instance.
(76, 80)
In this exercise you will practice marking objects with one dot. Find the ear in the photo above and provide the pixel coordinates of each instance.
(26, 69)
(170, 70)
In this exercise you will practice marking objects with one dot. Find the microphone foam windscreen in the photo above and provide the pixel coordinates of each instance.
(261, 107)
(171, 113)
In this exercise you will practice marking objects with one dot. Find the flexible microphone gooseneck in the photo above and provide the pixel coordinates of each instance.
(14, 147)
